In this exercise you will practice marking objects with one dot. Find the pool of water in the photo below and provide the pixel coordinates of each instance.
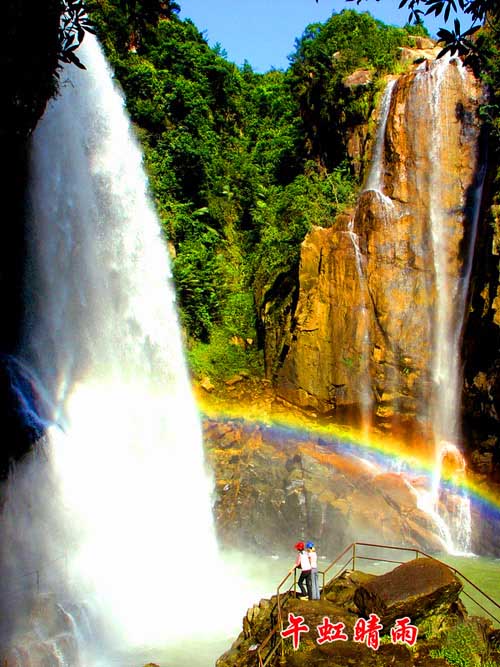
(261, 576)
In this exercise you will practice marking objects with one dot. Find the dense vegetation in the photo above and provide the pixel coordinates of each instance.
(242, 164)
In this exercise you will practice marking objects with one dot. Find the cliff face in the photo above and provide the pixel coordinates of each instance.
(271, 488)
(481, 351)
(365, 331)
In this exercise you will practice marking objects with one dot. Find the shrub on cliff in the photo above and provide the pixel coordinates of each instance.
(325, 55)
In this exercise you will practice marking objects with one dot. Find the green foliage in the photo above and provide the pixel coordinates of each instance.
(72, 27)
(487, 44)
(285, 214)
(462, 647)
(418, 28)
(195, 276)
(324, 57)
(455, 40)
(220, 359)
(241, 165)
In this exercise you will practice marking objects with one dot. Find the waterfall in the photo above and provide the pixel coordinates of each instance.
(451, 289)
(420, 243)
(374, 180)
(118, 488)
(365, 390)
(374, 183)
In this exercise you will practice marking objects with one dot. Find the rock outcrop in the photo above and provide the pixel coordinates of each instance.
(421, 589)
(49, 636)
(272, 488)
(363, 330)
(427, 595)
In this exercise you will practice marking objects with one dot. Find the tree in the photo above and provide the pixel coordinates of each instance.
(138, 14)
(455, 40)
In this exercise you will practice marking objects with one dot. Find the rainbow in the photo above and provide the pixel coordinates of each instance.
(415, 459)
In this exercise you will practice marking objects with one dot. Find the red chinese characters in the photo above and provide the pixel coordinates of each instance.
(368, 631)
(295, 627)
(403, 631)
(331, 632)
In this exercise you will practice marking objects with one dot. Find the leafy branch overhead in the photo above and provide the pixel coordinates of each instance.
(456, 41)
(74, 23)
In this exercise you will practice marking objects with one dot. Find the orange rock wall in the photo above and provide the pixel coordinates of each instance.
(361, 334)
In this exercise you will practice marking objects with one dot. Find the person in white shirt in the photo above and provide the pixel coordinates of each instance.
(302, 562)
(313, 559)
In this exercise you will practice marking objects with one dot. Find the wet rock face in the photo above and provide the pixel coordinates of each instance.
(324, 365)
(481, 391)
(270, 492)
(363, 330)
(49, 637)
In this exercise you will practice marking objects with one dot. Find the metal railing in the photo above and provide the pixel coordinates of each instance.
(355, 555)
(274, 641)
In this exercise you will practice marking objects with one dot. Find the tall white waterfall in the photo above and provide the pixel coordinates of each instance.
(451, 283)
(428, 221)
(116, 504)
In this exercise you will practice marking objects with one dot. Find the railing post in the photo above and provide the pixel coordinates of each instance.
(37, 581)
(354, 556)
(280, 624)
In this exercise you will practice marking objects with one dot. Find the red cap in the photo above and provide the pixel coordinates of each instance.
(300, 546)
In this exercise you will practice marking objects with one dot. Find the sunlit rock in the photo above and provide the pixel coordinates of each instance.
(365, 330)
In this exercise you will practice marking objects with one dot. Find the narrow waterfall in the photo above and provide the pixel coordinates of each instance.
(115, 504)
(374, 180)
(365, 389)
(418, 222)
(448, 500)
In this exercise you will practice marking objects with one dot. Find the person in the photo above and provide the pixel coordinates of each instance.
(313, 559)
(302, 562)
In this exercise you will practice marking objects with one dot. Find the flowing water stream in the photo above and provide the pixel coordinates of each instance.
(451, 504)
(115, 501)
(451, 252)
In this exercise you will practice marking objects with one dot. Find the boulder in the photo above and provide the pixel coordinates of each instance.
(233, 380)
(361, 77)
(421, 588)
(207, 384)
(342, 589)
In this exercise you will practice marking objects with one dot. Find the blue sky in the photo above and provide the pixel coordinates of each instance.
(264, 31)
